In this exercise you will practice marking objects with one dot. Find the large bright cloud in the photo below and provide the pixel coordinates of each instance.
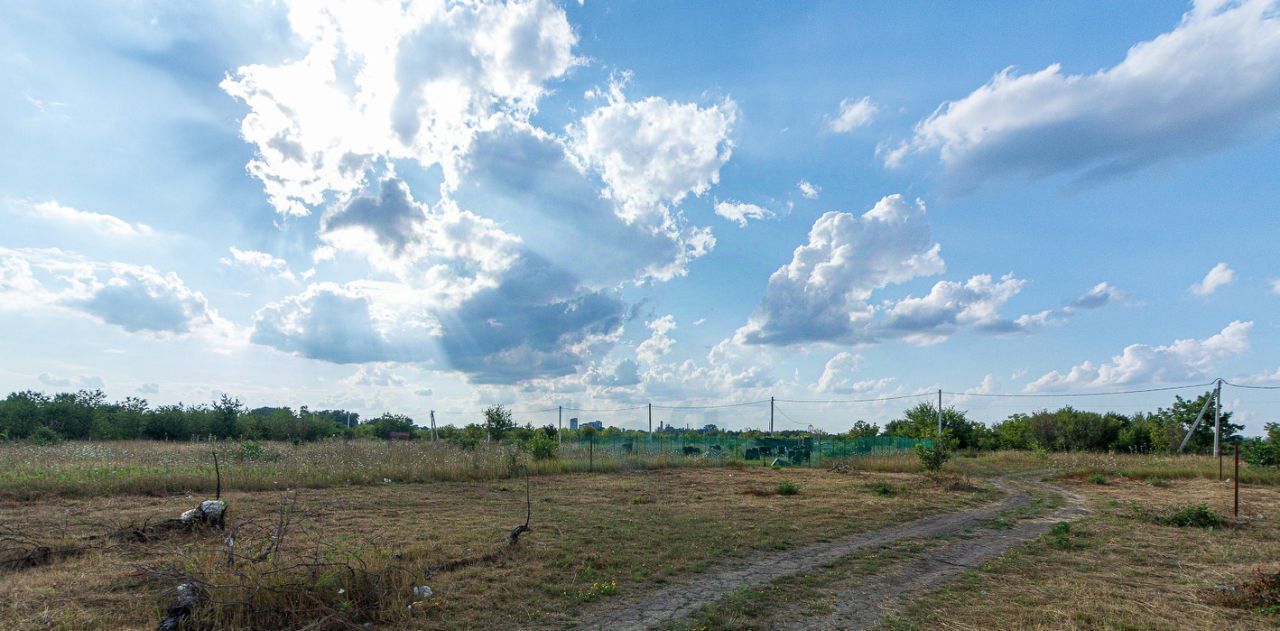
(1208, 83)
(654, 151)
(823, 293)
(386, 80)
(1179, 361)
(516, 259)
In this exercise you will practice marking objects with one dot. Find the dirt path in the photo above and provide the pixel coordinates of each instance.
(864, 602)
(677, 602)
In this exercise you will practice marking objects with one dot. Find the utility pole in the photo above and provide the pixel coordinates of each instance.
(651, 419)
(939, 445)
(433, 426)
(560, 424)
(1217, 425)
(771, 416)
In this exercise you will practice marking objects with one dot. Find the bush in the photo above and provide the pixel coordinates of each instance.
(253, 451)
(884, 489)
(42, 435)
(1098, 478)
(932, 458)
(1261, 453)
(1193, 516)
(787, 487)
(543, 448)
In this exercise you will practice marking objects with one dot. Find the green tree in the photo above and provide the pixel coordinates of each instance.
(498, 421)
(863, 429)
(921, 421)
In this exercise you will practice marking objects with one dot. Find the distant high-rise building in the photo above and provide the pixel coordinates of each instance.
(573, 423)
(595, 424)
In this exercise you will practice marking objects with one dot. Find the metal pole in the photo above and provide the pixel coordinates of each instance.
(939, 445)
(771, 416)
(1217, 425)
(651, 418)
(1236, 511)
(560, 424)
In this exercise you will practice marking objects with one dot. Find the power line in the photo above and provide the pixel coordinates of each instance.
(637, 407)
(1074, 394)
(893, 398)
(708, 407)
(1237, 385)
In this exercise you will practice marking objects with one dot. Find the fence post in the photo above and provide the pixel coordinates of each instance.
(1236, 510)
(1217, 425)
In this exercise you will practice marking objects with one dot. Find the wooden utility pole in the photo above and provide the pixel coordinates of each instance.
(1217, 425)
(939, 445)
(434, 437)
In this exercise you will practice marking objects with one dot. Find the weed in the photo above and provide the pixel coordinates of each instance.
(1156, 481)
(1194, 516)
(598, 589)
(1059, 536)
(787, 487)
(884, 489)
(1098, 478)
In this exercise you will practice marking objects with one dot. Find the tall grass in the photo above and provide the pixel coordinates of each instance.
(162, 468)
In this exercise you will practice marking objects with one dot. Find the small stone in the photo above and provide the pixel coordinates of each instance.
(423, 591)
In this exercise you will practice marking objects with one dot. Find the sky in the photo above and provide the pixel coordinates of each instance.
(417, 206)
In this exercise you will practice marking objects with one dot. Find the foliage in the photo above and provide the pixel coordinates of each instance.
(883, 489)
(1194, 516)
(787, 487)
(863, 429)
(1261, 453)
(1260, 591)
(44, 436)
(542, 447)
(1059, 536)
(385, 425)
(498, 421)
(934, 456)
(1098, 478)
(921, 421)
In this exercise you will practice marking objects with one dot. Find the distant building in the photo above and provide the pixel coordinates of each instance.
(573, 423)
(596, 424)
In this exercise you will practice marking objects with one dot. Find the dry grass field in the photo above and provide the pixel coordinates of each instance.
(337, 536)
(596, 537)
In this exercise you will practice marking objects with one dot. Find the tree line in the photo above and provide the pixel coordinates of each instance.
(87, 415)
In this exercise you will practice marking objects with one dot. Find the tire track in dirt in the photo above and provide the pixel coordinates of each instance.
(873, 598)
(679, 601)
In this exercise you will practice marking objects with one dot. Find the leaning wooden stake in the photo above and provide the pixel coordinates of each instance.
(514, 537)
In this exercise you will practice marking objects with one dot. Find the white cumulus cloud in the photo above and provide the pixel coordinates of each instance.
(1181, 360)
(1205, 85)
(740, 213)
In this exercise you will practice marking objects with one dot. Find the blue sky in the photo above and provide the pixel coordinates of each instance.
(440, 206)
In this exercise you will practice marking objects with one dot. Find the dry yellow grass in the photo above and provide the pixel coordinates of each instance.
(1123, 572)
(639, 529)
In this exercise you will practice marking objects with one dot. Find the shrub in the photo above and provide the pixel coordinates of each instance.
(1098, 478)
(883, 488)
(253, 451)
(1261, 453)
(42, 435)
(787, 487)
(1193, 515)
(541, 447)
(932, 458)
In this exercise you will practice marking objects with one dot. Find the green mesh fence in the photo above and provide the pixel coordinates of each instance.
(794, 451)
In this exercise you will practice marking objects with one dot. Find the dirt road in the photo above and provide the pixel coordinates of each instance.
(865, 603)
